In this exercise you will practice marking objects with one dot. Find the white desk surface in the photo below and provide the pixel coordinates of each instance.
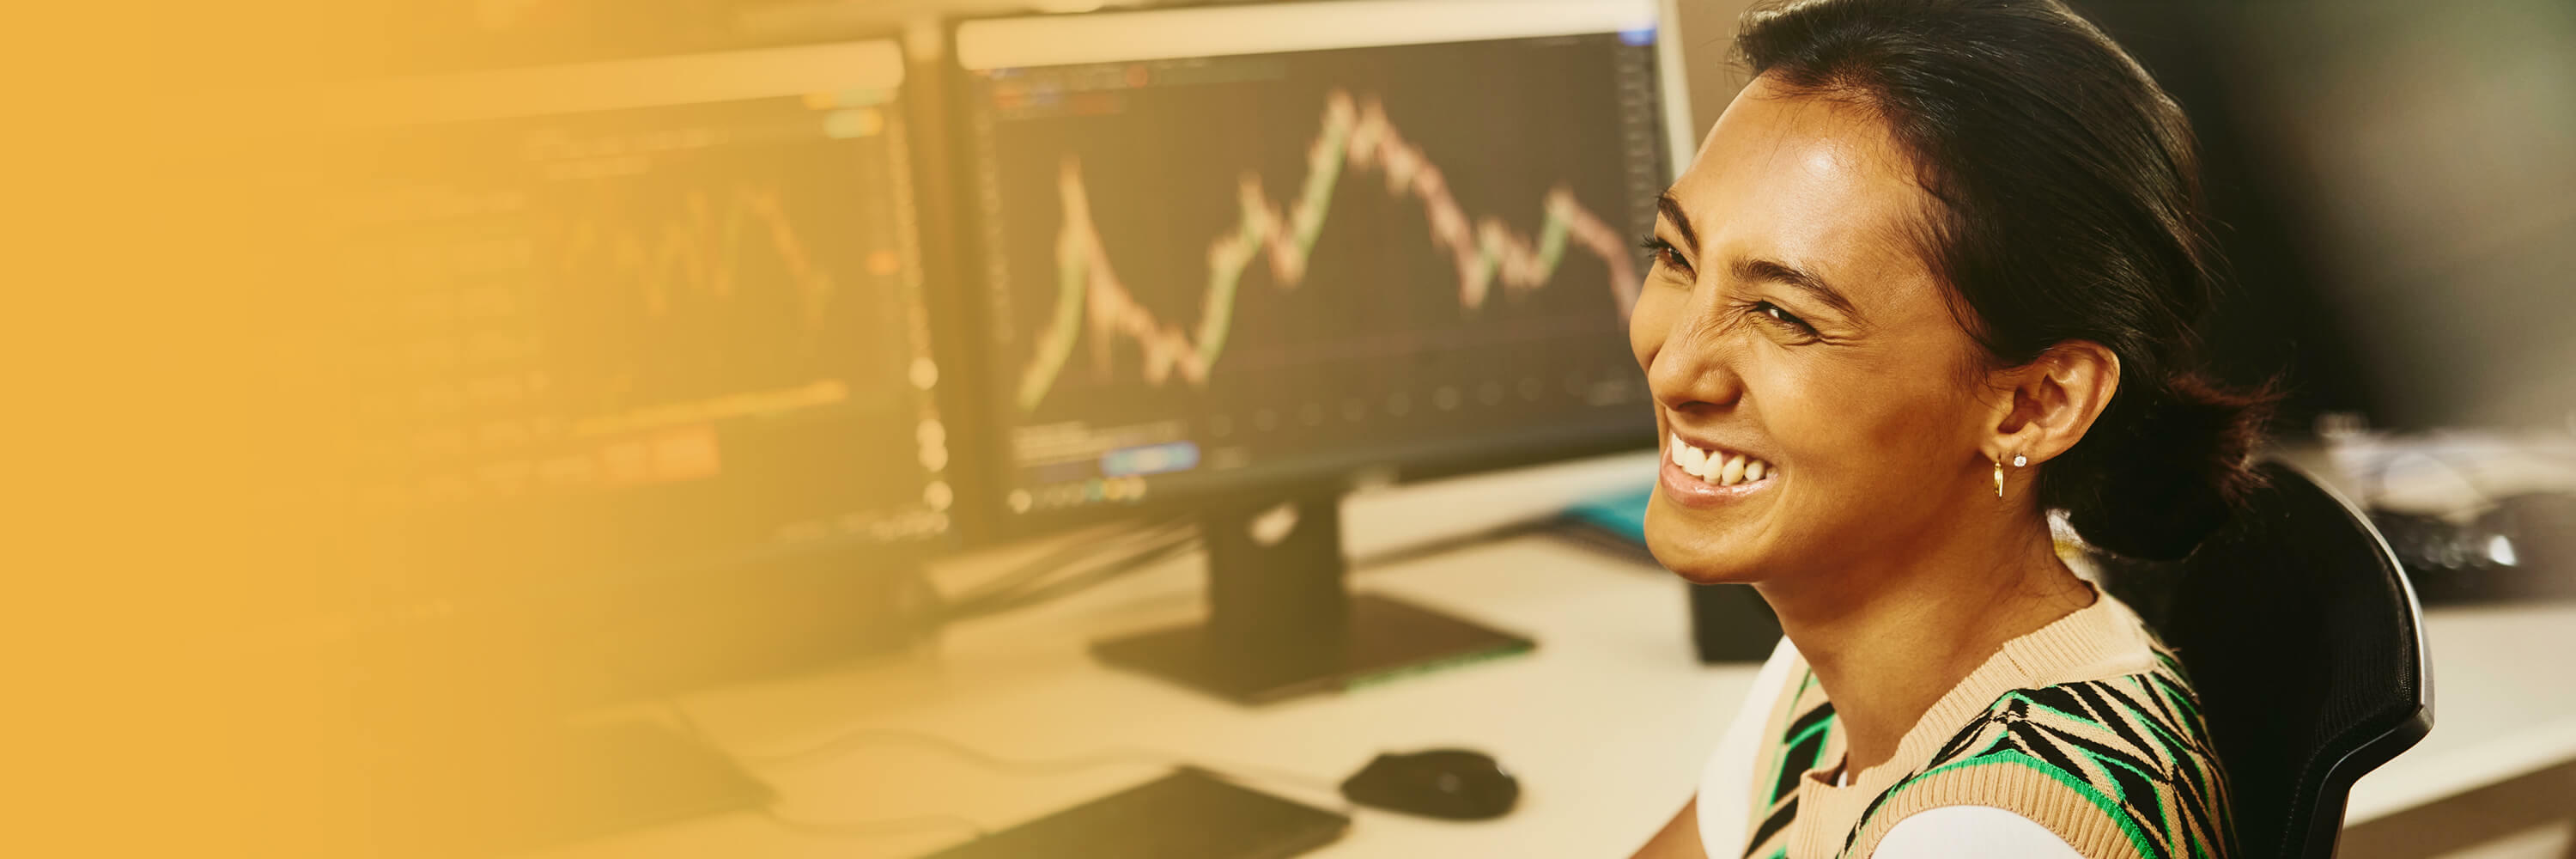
(1606, 723)
(2504, 705)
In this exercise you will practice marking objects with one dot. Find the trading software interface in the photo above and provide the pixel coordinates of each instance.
(1203, 272)
(650, 332)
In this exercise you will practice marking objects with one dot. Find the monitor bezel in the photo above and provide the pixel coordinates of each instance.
(968, 316)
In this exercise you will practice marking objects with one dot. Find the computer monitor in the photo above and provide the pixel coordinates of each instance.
(639, 326)
(631, 389)
(1237, 257)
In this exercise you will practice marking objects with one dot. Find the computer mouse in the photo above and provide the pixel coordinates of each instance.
(1451, 784)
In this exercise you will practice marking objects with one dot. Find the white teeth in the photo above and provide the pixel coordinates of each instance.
(1691, 459)
(1720, 468)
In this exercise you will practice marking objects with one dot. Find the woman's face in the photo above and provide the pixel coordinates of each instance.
(1790, 320)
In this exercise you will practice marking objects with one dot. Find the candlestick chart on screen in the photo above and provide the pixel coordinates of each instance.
(1275, 255)
(1486, 251)
(656, 328)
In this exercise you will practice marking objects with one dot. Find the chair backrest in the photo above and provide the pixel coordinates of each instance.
(2306, 645)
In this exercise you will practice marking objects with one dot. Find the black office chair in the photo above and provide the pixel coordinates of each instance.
(2304, 640)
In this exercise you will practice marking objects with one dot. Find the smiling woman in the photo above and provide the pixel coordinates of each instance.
(1932, 276)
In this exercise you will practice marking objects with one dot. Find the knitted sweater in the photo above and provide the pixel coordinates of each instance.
(2086, 727)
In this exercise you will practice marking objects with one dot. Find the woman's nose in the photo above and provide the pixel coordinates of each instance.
(1695, 367)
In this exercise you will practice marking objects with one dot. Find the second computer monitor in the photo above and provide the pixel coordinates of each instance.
(634, 321)
(1230, 248)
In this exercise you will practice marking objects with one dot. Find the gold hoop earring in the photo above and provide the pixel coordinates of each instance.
(1999, 478)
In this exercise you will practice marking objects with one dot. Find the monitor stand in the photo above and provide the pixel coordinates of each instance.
(1281, 623)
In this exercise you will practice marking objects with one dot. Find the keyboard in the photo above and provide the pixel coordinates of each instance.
(1190, 814)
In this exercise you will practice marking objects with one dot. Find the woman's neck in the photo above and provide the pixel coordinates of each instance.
(1887, 643)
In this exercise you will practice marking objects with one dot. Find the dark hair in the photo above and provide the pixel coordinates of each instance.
(2066, 207)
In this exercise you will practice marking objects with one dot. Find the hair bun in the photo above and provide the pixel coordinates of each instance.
(2176, 476)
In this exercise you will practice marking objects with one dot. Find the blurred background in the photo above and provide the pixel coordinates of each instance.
(853, 427)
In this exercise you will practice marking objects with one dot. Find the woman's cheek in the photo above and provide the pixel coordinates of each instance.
(1649, 322)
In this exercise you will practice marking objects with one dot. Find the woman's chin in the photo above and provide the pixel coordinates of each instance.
(1696, 555)
(1711, 573)
(1696, 561)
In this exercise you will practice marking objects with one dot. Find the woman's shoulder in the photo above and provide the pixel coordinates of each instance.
(1726, 782)
(2114, 765)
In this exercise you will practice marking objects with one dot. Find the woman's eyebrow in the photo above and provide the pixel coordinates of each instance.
(1672, 210)
(1775, 271)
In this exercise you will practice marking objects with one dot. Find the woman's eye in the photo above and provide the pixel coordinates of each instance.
(1665, 254)
(1782, 315)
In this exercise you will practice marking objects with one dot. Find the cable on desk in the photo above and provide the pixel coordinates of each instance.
(688, 724)
(1119, 755)
(1046, 578)
(1079, 582)
(1108, 757)
(1112, 756)
(877, 828)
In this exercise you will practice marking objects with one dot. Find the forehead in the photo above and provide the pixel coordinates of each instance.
(1814, 182)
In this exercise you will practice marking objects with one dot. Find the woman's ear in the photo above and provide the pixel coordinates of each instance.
(2054, 400)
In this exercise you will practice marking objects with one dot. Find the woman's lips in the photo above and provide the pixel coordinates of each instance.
(1699, 477)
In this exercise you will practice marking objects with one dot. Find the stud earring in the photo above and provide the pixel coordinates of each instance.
(2019, 460)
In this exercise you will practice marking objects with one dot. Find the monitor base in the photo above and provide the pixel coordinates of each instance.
(1385, 639)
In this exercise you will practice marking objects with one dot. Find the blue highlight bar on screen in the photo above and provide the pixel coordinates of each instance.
(1150, 459)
